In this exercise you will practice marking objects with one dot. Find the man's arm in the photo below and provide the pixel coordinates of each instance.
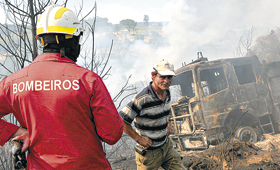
(142, 140)
(7, 130)
(107, 121)
(169, 127)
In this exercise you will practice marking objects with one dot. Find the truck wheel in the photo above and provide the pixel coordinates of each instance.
(246, 134)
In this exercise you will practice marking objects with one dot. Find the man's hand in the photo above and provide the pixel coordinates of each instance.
(22, 135)
(141, 140)
(144, 141)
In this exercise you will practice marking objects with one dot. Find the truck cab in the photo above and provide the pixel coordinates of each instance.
(215, 100)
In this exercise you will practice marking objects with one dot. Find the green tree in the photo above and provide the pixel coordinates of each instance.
(129, 24)
(117, 28)
(102, 22)
(146, 20)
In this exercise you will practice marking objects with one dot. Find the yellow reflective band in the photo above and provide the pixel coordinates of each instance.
(42, 41)
(40, 30)
(56, 39)
(67, 36)
(56, 29)
(59, 29)
(59, 12)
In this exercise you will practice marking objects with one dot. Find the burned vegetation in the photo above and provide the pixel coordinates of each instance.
(232, 155)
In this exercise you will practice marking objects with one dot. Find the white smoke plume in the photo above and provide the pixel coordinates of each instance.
(213, 27)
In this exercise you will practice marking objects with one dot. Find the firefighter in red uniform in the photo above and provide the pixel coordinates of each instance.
(64, 110)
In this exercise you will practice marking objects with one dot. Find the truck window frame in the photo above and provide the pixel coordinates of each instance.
(244, 74)
(179, 82)
(217, 70)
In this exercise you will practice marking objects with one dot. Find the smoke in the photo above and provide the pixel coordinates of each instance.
(213, 27)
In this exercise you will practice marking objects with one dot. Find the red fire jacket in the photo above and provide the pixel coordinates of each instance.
(67, 111)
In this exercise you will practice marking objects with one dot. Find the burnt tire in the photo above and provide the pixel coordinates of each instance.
(246, 134)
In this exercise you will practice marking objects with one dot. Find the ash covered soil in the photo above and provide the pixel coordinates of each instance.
(263, 155)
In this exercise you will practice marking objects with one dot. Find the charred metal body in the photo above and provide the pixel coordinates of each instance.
(237, 97)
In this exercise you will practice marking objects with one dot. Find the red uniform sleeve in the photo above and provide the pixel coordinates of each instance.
(109, 124)
(6, 129)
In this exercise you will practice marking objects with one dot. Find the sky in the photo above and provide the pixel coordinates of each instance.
(213, 27)
(117, 10)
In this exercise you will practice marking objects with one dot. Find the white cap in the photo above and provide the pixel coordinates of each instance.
(164, 68)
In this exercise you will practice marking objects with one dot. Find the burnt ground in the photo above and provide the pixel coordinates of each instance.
(228, 155)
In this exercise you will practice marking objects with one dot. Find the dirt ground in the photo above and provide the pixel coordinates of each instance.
(228, 155)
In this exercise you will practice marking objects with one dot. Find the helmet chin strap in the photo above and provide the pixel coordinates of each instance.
(62, 52)
(61, 44)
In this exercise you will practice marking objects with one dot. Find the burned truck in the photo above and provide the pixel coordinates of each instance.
(235, 97)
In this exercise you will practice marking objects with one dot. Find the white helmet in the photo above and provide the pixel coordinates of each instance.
(57, 19)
